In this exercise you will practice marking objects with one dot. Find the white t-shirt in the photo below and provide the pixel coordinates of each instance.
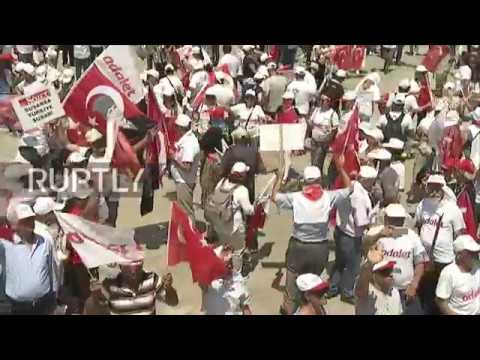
(354, 213)
(188, 151)
(399, 168)
(224, 94)
(379, 303)
(242, 113)
(25, 49)
(303, 92)
(465, 72)
(164, 84)
(198, 80)
(407, 251)
(366, 98)
(81, 51)
(428, 215)
(233, 63)
(407, 122)
(323, 122)
(226, 297)
(462, 289)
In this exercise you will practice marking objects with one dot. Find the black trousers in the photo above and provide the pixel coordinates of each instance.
(67, 56)
(399, 54)
(43, 306)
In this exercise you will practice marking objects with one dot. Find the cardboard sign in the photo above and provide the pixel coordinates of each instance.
(37, 109)
(283, 137)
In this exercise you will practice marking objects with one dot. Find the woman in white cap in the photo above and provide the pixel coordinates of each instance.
(249, 115)
(303, 92)
(312, 295)
(308, 247)
(287, 113)
(439, 222)
(458, 289)
(368, 94)
(371, 138)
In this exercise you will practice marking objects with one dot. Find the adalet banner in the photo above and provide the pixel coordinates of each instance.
(37, 109)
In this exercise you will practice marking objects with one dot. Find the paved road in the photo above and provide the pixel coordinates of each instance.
(266, 301)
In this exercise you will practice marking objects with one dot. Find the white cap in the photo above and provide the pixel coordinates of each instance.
(44, 205)
(394, 143)
(82, 191)
(19, 67)
(169, 91)
(350, 95)
(29, 69)
(371, 131)
(436, 179)
(248, 47)
(259, 76)
(93, 135)
(465, 242)
(368, 172)
(75, 157)
(414, 87)
(169, 67)
(51, 53)
(271, 66)
(196, 50)
(421, 68)
(399, 99)
(198, 65)
(311, 173)
(38, 57)
(154, 73)
(288, 95)
(405, 83)
(380, 154)
(264, 57)
(451, 119)
(210, 92)
(311, 282)
(395, 211)
(383, 265)
(300, 70)
(183, 120)
(449, 85)
(23, 211)
(239, 167)
(67, 76)
(341, 73)
(250, 92)
(41, 70)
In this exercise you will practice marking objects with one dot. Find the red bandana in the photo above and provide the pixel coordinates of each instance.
(313, 192)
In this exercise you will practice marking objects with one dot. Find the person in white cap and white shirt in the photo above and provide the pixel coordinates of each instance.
(29, 267)
(233, 232)
(25, 53)
(223, 90)
(403, 246)
(368, 94)
(185, 162)
(439, 222)
(374, 290)
(395, 146)
(249, 114)
(232, 61)
(396, 123)
(458, 289)
(198, 79)
(353, 218)
(169, 81)
(313, 291)
(308, 246)
(371, 138)
(348, 103)
(303, 91)
(81, 55)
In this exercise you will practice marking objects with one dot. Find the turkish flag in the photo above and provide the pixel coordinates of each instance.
(357, 57)
(434, 57)
(185, 245)
(256, 221)
(425, 95)
(79, 105)
(346, 143)
(451, 146)
(275, 53)
(342, 56)
(465, 204)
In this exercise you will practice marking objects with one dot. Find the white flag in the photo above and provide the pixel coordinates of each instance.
(120, 64)
(98, 244)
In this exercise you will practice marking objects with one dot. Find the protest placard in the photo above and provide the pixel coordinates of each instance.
(282, 137)
(38, 108)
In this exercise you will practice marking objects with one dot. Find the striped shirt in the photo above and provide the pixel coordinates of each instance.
(124, 301)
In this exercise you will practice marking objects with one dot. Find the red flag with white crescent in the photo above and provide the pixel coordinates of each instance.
(434, 57)
(357, 57)
(342, 56)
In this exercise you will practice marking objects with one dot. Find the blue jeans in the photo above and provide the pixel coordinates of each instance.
(413, 307)
(348, 254)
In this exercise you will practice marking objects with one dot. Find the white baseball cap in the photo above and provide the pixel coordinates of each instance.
(371, 131)
(210, 92)
(405, 83)
(169, 67)
(75, 157)
(368, 172)
(183, 120)
(399, 99)
(421, 68)
(436, 179)
(44, 205)
(300, 70)
(23, 211)
(239, 167)
(465, 242)
(341, 73)
(449, 85)
(383, 265)
(93, 135)
(395, 211)
(288, 95)
(250, 92)
(414, 87)
(154, 73)
(349, 95)
(312, 173)
(264, 57)
(395, 144)
(311, 282)
(380, 154)
(29, 69)
(196, 50)
(248, 47)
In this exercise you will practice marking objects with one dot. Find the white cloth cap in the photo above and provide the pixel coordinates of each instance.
(183, 120)
(44, 205)
(239, 167)
(23, 211)
(394, 143)
(405, 83)
(380, 154)
(372, 131)
(250, 92)
(383, 265)
(154, 73)
(421, 68)
(350, 95)
(248, 47)
(300, 70)
(288, 95)
(341, 73)
(395, 211)
(436, 179)
(29, 69)
(449, 85)
(210, 92)
(169, 91)
(93, 135)
(465, 242)
(19, 67)
(399, 99)
(311, 282)
(312, 173)
(414, 87)
(75, 157)
(368, 172)
(271, 65)
(169, 67)
(264, 57)
(259, 76)
(196, 50)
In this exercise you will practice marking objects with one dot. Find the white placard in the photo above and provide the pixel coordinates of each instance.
(38, 108)
(293, 137)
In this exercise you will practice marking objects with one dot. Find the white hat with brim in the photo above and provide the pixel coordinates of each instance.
(29, 69)
(405, 83)
(383, 265)
(436, 179)
(380, 154)
(183, 120)
(240, 168)
(75, 158)
(341, 73)
(250, 92)
(421, 68)
(44, 205)
(288, 95)
(23, 211)
(395, 211)
(311, 173)
(311, 283)
(395, 144)
(210, 92)
(154, 73)
(349, 96)
(465, 242)
(368, 172)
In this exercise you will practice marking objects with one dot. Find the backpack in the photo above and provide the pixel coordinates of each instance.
(219, 206)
